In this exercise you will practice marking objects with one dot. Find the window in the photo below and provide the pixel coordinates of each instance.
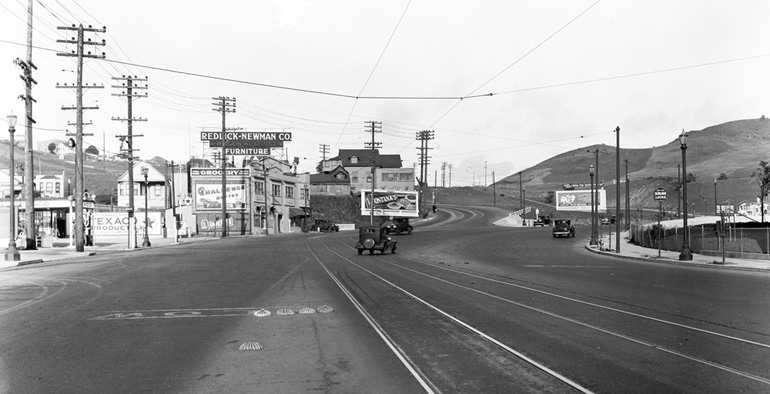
(276, 190)
(58, 188)
(354, 178)
(390, 177)
(49, 188)
(405, 176)
(353, 159)
(302, 194)
(289, 191)
(259, 187)
(137, 190)
(157, 190)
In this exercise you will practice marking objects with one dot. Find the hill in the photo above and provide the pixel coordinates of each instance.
(730, 151)
(100, 177)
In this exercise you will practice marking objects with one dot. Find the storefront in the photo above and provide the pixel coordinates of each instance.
(208, 196)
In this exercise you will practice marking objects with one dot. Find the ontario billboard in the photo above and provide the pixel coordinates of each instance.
(390, 203)
(580, 200)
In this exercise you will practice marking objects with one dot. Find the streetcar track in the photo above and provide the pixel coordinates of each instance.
(452, 318)
(575, 321)
(400, 353)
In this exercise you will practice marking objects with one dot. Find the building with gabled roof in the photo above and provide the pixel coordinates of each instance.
(389, 174)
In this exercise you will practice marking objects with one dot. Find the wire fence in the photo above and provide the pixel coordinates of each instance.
(703, 237)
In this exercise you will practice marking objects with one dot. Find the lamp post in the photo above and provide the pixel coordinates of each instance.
(146, 242)
(593, 233)
(716, 206)
(686, 254)
(12, 254)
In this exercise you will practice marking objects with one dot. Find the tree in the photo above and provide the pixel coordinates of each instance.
(52, 148)
(763, 180)
(91, 150)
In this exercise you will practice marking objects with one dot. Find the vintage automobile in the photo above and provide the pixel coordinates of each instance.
(373, 237)
(398, 226)
(324, 226)
(563, 227)
(542, 221)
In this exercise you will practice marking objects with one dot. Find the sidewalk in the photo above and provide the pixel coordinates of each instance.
(635, 252)
(61, 250)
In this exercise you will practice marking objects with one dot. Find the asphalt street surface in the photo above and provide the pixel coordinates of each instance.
(462, 307)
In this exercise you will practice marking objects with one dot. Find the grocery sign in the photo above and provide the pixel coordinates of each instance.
(390, 203)
(580, 200)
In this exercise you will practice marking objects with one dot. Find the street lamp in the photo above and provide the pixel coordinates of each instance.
(686, 254)
(12, 254)
(146, 242)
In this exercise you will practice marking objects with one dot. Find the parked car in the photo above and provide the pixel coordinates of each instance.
(542, 221)
(563, 227)
(398, 225)
(605, 220)
(373, 237)
(324, 226)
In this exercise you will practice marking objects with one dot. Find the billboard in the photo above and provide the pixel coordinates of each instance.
(390, 203)
(580, 200)
(116, 223)
(208, 196)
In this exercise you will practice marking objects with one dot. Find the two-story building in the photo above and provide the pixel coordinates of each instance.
(357, 163)
(278, 196)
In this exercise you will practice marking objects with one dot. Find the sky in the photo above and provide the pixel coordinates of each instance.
(503, 85)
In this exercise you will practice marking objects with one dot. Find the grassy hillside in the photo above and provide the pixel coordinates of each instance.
(100, 177)
(731, 150)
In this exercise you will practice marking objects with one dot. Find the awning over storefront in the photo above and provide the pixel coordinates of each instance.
(294, 212)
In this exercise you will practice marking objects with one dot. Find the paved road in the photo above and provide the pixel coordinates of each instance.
(463, 307)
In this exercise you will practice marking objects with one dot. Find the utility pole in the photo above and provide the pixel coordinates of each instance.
(494, 191)
(324, 149)
(617, 189)
(443, 174)
(628, 199)
(423, 136)
(226, 105)
(130, 95)
(79, 187)
(374, 127)
(450, 175)
(173, 205)
(30, 229)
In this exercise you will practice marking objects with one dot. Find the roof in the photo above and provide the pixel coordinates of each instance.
(364, 158)
(316, 179)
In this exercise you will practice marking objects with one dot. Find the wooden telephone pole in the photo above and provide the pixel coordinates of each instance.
(129, 85)
(78, 145)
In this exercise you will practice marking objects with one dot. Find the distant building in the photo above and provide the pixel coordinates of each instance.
(752, 208)
(356, 165)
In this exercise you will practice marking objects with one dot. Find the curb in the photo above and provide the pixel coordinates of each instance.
(674, 262)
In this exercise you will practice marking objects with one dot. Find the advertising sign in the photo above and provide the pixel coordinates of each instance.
(660, 194)
(580, 200)
(390, 203)
(245, 139)
(208, 196)
(116, 223)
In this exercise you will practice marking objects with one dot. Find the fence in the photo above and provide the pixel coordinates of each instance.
(703, 239)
